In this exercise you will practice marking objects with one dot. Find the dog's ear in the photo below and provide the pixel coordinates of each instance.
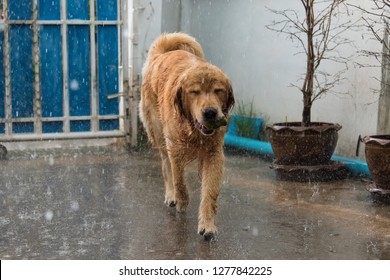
(179, 101)
(230, 98)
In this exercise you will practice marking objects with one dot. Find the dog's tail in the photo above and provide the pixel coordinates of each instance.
(167, 42)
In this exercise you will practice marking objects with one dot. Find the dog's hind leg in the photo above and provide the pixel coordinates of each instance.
(212, 174)
(149, 116)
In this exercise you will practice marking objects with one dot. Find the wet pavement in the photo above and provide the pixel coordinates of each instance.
(107, 203)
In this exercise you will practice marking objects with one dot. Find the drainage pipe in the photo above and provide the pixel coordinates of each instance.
(256, 146)
(356, 167)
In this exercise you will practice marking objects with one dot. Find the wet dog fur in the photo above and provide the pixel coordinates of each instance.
(182, 98)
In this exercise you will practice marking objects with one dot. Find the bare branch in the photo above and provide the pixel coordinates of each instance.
(377, 17)
(319, 32)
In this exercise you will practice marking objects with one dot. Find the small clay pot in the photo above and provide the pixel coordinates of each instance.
(377, 152)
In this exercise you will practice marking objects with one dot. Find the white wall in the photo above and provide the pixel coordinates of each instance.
(151, 18)
(263, 64)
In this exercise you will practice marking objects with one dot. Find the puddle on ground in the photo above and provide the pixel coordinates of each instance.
(106, 203)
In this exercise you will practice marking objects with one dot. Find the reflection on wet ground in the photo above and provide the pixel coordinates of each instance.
(107, 203)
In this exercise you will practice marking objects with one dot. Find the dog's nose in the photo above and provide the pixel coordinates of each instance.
(209, 113)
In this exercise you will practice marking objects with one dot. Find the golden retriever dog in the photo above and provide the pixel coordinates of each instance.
(184, 108)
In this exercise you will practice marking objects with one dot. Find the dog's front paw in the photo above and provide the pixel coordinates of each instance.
(180, 204)
(170, 200)
(182, 198)
(209, 232)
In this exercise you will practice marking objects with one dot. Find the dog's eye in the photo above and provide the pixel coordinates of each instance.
(195, 92)
(219, 91)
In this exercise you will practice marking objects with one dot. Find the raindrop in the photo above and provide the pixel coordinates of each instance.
(49, 215)
(74, 205)
(51, 160)
(126, 33)
(74, 85)
(255, 231)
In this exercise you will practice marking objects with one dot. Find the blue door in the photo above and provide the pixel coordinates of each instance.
(59, 63)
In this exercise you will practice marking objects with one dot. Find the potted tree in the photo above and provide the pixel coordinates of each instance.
(377, 147)
(304, 149)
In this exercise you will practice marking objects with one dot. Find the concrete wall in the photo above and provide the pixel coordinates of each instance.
(263, 64)
(151, 18)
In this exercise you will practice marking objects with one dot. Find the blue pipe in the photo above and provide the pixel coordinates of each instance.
(356, 167)
(256, 146)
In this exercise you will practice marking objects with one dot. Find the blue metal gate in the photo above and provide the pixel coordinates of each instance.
(59, 64)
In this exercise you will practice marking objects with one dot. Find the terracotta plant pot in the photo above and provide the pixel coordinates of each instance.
(304, 153)
(377, 152)
(294, 144)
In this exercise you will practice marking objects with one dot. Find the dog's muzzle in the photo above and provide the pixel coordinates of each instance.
(209, 128)
(203, 129)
